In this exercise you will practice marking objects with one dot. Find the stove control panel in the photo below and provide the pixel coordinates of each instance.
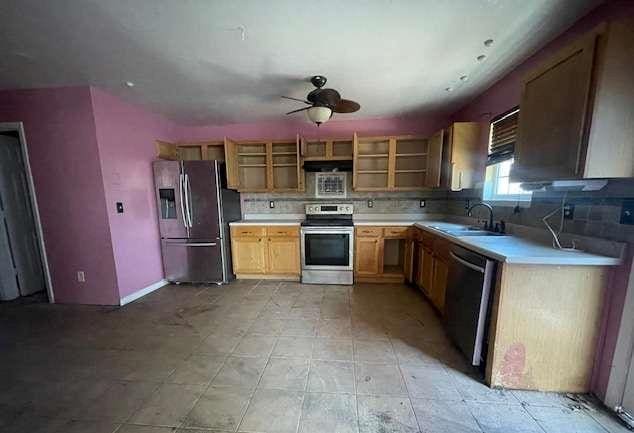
(329, 209)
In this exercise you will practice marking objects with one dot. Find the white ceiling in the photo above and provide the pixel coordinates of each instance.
(190, 61)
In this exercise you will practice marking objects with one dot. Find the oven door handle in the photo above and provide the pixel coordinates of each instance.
(466, 263)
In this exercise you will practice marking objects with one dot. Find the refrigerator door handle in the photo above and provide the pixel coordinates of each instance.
(188, 201)
(182, 199)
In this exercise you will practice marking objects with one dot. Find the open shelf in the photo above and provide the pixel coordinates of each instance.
(412, 154)
(374, 155)
(284, 153)
(411, 171)
(372, 171)
(251, 154)
(252, 165)
(292, 164)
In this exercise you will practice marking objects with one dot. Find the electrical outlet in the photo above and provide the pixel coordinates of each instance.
(271, 204)
(370, 203)
(422, 203)
(627, 212)
(81, 276)
(119, 207)
(569, 211)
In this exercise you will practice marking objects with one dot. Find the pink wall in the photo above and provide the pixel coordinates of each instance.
(504, 95)
(126, 138)
(60, 132)
(285, 129)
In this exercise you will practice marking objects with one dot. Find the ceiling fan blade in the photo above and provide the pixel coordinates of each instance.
(324, 97)
(346, 106)
(296, 99)
(300, 109)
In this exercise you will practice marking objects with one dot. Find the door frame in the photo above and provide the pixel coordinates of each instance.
(19, 128)
(624, 350)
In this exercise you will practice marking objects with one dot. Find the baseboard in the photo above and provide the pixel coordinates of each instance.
(280, 277)
(144, 291)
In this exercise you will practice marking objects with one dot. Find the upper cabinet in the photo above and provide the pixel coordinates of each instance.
(405, 163)
(254, 166)
(326, 150)
(206, 150)
(577, 108)
(464, 156)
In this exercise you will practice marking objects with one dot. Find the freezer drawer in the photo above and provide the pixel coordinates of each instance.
(192, 261)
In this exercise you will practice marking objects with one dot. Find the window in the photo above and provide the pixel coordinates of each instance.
(497, 184)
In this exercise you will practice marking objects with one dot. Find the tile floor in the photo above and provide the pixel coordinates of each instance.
(265, 357)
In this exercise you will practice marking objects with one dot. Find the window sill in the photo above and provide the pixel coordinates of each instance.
(508, 203)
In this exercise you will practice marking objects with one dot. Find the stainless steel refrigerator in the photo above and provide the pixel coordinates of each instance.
(195, 208)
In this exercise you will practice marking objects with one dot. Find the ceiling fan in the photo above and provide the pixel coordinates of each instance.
(323, 102)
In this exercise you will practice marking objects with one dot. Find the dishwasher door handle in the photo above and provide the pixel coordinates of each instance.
(466, 263)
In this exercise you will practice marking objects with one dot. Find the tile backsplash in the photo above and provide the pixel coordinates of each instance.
(382, 202)
(596, 213)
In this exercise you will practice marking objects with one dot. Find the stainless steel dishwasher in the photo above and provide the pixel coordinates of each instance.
(469, 287)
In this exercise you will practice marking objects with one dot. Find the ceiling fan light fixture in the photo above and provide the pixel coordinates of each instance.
(319, 115)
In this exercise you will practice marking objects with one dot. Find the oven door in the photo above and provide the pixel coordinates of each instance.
(327, 248)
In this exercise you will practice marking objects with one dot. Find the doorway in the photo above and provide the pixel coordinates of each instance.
(23, 267)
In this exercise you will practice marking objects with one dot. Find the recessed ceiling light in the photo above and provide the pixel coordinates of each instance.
(488, 42)
(481, 57)
(129, 84)
(464, 78)
(449, 89)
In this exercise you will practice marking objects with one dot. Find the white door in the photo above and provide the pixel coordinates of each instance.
(20, 262)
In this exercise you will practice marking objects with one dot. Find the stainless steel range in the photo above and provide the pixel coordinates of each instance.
(327, 244)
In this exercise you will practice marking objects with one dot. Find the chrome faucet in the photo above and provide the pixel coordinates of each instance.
(488, 206)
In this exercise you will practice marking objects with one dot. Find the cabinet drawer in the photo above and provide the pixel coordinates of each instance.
(441, 249)
(286, 231)
(396, 232)
(427, 239)
(246, 231)
(369, 232)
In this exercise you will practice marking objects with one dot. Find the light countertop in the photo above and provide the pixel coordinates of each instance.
(508, 249)
(259, 222)
(518, 250)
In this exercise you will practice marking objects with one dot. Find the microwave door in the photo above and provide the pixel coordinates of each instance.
(168, 182)
(201, 193)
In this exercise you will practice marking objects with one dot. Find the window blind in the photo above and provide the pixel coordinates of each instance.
(503, 137)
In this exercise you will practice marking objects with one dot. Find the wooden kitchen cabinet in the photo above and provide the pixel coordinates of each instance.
(464, 154)
(326, 150)
(579, 128)
(204, 150)
(432, 268)
(439, 284)
(248, 255)
(382, 254)
(263, 166)
(266, 252)
(368, 253)
(404, 163)
(283, 254)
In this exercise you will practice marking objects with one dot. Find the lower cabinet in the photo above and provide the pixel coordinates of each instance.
(283, 255)
(367, 256)
(382, 254)
(248, 255)
(432, 267)
(265, 252)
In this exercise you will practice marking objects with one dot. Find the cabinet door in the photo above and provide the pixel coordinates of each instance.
(283, 255)
(368, 254)
(467, 155)
(231, 164)
(249, 255)
(408, 257)
(439, 284)
(434, 160)
(426, 271)
(553, 116)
